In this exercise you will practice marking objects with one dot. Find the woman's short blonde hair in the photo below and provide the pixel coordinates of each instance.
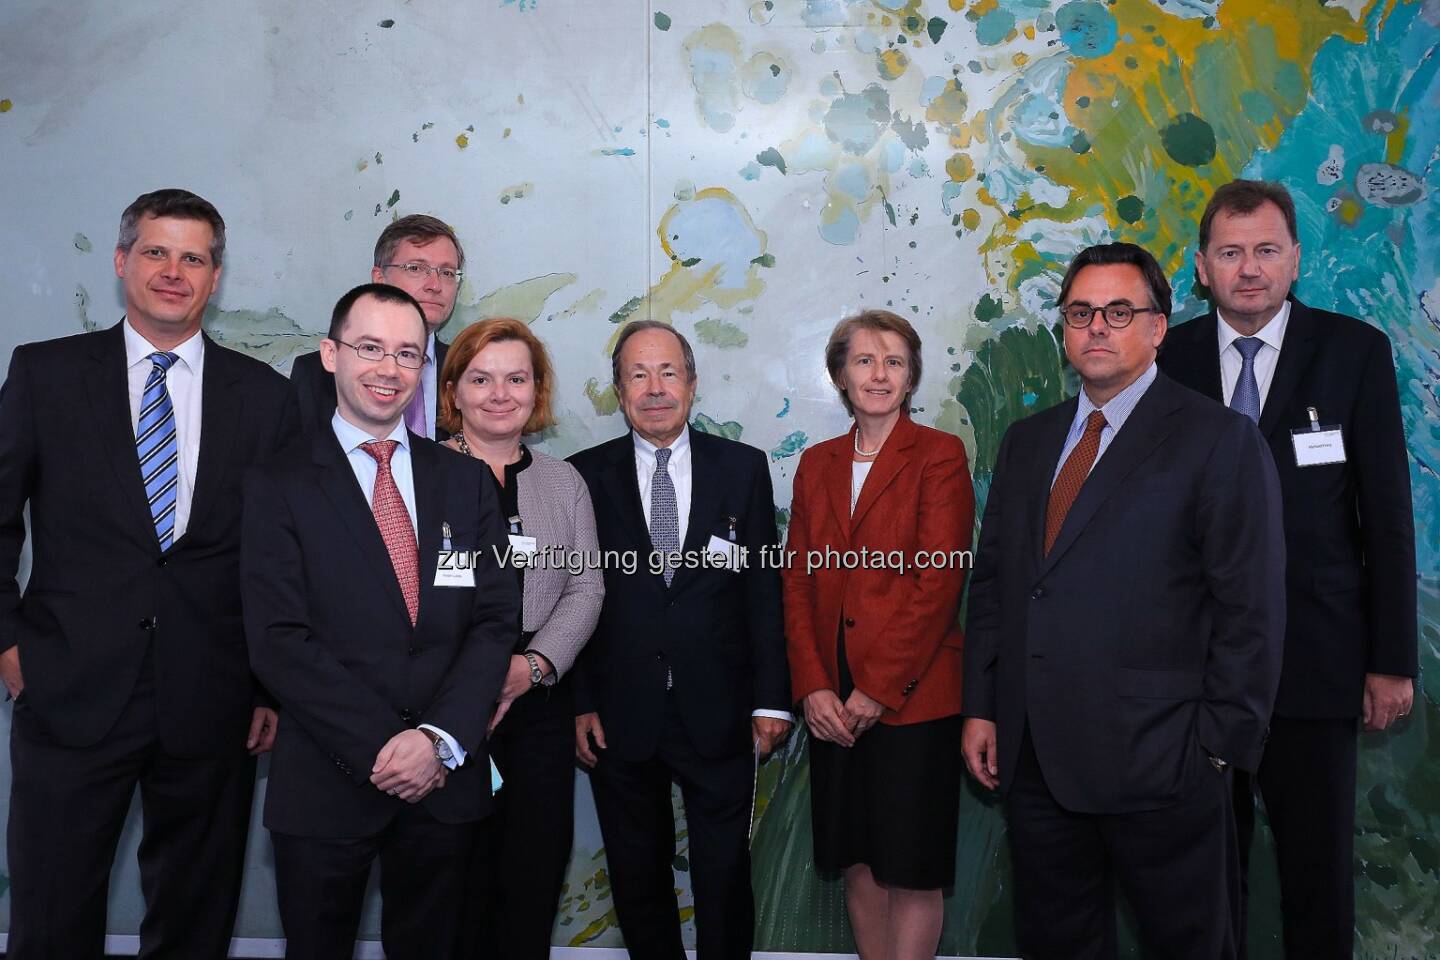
(837, 351)
(477, 337)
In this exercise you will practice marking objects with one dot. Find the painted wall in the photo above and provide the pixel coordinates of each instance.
(751, 172)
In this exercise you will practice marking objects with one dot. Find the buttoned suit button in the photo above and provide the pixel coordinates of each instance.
(1038, 593)
(147, 624)
(849, 621)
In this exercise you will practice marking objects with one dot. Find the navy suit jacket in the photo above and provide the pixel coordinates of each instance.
(1149, 637)
(331, 638)
(721, 633)
(1349, 529)
(101, 592)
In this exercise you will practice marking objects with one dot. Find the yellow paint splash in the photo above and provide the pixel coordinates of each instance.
(892, 63)
(1395, 140)
(462, 140)
(960, 167)
(970, 218)
(5, 106)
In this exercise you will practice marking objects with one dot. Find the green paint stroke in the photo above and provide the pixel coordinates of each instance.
(394, 199)
(989, 308)
(1014, 375)
(603, 399)
(721, 333)
(935, 27)
(626, 308)
(1189, 140)
(662, 20)
(790, 446)
(730, 429)
(82, 243)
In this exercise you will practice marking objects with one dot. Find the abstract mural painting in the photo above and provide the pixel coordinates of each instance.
(751, 171)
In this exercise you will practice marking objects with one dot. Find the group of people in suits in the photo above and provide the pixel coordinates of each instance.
(1192, 579)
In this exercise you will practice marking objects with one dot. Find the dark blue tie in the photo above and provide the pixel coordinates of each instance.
(156, 446)
(1246, 398)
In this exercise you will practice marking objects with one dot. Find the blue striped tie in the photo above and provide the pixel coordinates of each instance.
(158, 450)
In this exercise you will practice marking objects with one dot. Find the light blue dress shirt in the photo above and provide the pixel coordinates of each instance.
(1116, 411)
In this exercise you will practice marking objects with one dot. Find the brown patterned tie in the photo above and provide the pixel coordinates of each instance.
(394, 522)
(1072, 477)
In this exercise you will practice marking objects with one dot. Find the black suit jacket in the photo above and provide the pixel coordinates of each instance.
(720, 632)
(331, 639)
(1150, 636)
(99, 581)
(1349, 529)
(315, 390)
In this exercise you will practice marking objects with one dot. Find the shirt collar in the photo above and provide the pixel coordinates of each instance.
(1119, 407)
(646, 450)
(430, 350)
(138, 349)
(351, 436)
(1272, 333)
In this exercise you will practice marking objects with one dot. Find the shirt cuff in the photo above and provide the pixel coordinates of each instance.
(457, 754)
(785, 715)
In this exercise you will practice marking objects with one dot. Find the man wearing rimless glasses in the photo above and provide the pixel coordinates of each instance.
(421, 255)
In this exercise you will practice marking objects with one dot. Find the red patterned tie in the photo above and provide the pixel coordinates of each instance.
(1072, 477)
(394, 522)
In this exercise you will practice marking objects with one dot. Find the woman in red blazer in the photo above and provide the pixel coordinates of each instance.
(880, 531)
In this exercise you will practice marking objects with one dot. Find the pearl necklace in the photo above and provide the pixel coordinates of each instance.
(866, 453)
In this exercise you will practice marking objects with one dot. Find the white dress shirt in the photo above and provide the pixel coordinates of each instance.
(1272, 335)
(681, 472)
(183, 381)
(366, 469)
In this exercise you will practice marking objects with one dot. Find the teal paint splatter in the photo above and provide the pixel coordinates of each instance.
(617, 152)
(994, 27)
(856, 120)
(662, 20)
(1257, 107)
(789, 447)
(386, 24)
(1087, 28)
(394, 199)
(729, 429)
(662, 123)
(82, 243)
(764, 260)
(989, 308)
(770, 157)
(1130, 208)
(784, 410)
(935, 27)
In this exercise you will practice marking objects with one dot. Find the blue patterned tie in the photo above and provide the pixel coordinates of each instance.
(664, 512)
(1246, 398)
(157, 448)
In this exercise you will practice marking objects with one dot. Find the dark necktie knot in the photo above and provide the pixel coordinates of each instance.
(662, 458)
(1095, 422)
(381, 450)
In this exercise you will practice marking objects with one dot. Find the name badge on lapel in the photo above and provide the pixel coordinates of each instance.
(1318, 445)
(725, 554)
(453, 568)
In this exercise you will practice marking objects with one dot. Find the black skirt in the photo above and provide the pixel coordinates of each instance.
(891, 802)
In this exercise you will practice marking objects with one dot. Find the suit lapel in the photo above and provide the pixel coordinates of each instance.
(1047, 454)
(622, 488)
(337, 480)
(1198, 352)
(887, 467)
(1296, 353)
(219, 416)
(706, 468)
(1148, 424)
(838, 478)
(429, 508)
(109, 393)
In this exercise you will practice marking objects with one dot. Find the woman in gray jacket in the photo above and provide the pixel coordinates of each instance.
(497, 385)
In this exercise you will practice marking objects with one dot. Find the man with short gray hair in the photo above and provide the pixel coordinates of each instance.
(685, 679)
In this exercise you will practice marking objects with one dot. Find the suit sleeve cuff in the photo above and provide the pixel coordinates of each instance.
(457, 753)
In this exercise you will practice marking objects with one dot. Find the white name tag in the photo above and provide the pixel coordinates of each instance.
(522, 546)
(453, 568)
(724, 555)
(1315, 448)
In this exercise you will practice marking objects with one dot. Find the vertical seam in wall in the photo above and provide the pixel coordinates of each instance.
(649, 162)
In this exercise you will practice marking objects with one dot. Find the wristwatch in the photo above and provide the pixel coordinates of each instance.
(442, 749)
(536, 674)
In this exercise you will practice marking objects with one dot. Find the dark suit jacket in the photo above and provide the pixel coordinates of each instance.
(315, 390)
(720, 632)
(902, 633)
(1349, 530)
(99, 580)
(1150, 636)
(331, 639)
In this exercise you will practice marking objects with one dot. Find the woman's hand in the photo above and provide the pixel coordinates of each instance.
(827, 719)
(864, 712)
